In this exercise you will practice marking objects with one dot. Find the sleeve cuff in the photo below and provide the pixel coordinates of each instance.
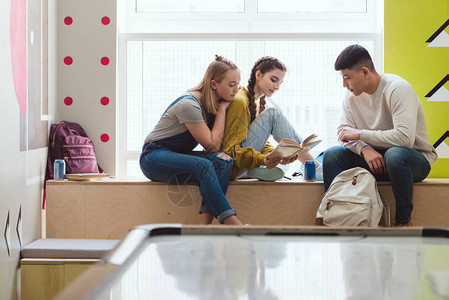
(360, 146)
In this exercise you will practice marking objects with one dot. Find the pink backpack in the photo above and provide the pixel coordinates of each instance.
(69, 141)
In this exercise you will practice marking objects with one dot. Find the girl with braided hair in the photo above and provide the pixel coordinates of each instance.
(198, 116)
(249, 125)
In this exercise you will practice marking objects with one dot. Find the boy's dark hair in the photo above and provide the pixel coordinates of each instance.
(354, 57)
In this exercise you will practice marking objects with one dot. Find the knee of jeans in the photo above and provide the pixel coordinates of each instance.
(332, 153)
(147, 174)
(224, 157)
(204, 166)
(272, 111)
(144, 170)
(224, 160)
(395, 156)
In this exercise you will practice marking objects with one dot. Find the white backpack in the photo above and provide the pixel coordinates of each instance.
(352, 200)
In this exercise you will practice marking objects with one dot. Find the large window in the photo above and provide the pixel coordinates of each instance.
(155, 68)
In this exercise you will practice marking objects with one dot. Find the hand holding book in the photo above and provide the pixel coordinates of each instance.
(288, 148)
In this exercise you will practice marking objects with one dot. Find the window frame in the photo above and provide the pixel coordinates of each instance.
(247, 26)
(250, 21)
(124, 155)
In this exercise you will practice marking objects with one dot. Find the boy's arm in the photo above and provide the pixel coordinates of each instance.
(348, 121)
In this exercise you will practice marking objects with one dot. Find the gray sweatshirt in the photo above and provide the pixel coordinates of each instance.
(391, 117)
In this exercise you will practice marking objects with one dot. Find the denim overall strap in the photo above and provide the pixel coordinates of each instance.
(183, 142)
(179, 99)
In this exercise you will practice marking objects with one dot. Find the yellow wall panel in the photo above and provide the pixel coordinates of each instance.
(408, 26)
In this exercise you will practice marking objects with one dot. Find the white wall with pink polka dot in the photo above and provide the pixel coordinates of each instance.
(86, 72)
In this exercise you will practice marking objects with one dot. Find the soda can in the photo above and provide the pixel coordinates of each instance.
(59, 169)
(310, 171)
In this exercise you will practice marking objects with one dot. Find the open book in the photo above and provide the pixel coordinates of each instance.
(288, 148)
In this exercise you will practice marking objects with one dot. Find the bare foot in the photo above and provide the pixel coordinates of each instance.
(206, 218)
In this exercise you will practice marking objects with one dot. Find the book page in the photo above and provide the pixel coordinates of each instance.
(310, 141)
(285, 151)
(285, 148)
(288, 143)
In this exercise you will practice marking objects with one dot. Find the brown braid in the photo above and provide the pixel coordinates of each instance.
(264, 64)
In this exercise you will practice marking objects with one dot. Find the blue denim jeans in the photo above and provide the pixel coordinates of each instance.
(404, 166)
(270, 122)
(211, 171)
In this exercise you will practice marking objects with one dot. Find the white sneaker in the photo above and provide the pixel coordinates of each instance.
(319, 172)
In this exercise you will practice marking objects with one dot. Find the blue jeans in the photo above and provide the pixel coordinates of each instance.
(270, 122)
(404, 166)
(211, 171)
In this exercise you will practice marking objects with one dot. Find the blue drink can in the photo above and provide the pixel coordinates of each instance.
(59, 169)
(310, 171)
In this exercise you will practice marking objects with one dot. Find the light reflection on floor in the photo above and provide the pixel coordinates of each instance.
(275, 267)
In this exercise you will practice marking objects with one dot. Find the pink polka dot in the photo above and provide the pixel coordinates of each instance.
(68, 20)
(104, 137)
(105, 20)
(104, 60)
(68, 101)
(104, 100)
(68, 60)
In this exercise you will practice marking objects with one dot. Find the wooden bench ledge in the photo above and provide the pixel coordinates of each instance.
(297, 181)
(109, 209)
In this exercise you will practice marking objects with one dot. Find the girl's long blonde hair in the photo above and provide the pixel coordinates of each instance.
(216, 71)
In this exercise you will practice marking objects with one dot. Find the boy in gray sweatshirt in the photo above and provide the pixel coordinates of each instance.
(382, 129)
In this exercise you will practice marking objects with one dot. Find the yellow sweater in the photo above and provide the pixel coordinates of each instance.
(238, 119)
